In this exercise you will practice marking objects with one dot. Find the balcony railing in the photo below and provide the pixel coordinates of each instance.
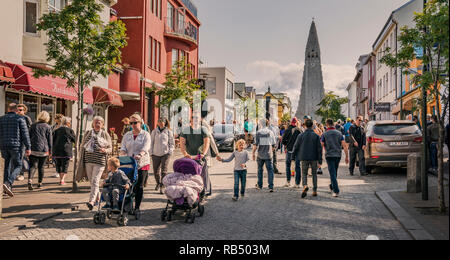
(182, 30)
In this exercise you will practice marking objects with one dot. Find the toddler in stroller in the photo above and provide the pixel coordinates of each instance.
(184, 190)
(118, 191)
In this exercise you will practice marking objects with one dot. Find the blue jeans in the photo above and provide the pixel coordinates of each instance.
(333, 166)
(433, 155)
(298, 172)
(269, 167)
(13, 164)
(242, 176)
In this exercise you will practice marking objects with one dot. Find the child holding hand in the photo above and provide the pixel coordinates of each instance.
(240, 168)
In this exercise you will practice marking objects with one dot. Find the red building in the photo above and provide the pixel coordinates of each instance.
(160, 32)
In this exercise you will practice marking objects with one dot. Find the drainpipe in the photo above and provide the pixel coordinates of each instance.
(396, 71)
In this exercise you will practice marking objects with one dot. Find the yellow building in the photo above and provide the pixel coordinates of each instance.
(283, 103)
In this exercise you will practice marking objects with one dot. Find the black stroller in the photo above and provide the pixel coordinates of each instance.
(126, 201)
(185, 166)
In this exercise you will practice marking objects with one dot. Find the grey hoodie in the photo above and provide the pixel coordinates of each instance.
(162, 142)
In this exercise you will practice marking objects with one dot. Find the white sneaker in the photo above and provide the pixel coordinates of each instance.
(287, 185)
(335, 195)
(56, 175)
(296, 186)
(20, 178)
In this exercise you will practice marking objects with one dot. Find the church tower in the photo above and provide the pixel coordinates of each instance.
(312, 91)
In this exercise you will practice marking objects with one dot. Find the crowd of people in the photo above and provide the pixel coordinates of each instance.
(306, 143)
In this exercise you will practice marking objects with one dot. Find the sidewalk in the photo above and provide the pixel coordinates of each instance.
(420, 218)
(30, 207)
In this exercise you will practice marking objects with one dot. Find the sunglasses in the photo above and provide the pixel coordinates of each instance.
(20, 110)
(134, 123)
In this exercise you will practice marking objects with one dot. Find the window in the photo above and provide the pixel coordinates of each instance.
(155, 47)
(153, 6)
(174, 57)
(150, 52)
(181, 23)
(210, 84)
(170, 16)
(160, 10)
(56, 5)
(229, 90)
(31, 16)
(11, 97)
(158, 57)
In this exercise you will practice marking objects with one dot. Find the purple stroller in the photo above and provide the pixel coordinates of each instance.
(185, 166)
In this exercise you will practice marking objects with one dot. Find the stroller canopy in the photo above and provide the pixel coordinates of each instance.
(187, 166)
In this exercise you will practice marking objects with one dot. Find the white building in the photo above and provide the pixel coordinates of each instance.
(352, 100)
(22, 47)
(388, 79)
(219, 82)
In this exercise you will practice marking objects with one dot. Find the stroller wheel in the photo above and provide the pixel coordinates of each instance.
(122, 221)
(163, 215)
(102, 218)
(201, 210)
(96, 218)
(192, 218)
(169, 216)
(109, 214)
(137, 214)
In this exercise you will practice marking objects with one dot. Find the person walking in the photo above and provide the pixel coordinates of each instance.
(433, 139)
(13, 136)
(58, 123)
(276, 132)
(308, 150)
(163, 145)
(289, 138)
(63, 141)
(346, 128)
(357, 146)
(333, 142)
(41, 146)
(240, 168)
(265, 145)
(137, 144)
(195, 144)
(95, 147)
(22, 110)
(126, 126)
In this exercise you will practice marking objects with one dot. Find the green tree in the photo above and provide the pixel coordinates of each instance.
(430, 33)
(180, 84)
(330, 107)
(286, 118)
(81, 48)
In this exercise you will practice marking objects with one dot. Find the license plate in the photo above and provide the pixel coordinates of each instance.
(399, 143)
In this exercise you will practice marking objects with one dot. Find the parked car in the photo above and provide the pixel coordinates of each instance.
(226, 136)
(389, 143)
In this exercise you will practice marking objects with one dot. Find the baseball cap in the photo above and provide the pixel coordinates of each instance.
(307, 117)
(294, 121)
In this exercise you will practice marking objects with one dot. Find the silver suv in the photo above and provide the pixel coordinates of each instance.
(390, 142)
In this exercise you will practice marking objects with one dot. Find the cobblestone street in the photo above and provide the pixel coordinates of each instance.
(356, 214)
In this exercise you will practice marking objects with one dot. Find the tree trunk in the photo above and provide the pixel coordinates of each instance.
(441, 191)
(77, 143)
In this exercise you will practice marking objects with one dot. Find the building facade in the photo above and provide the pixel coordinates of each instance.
(161, 32)
(24, 49)
(352, 99)
(220, 85)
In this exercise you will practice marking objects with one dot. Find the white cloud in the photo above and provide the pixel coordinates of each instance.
(287, 78)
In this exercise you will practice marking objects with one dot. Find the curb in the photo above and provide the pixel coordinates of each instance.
(414, 229)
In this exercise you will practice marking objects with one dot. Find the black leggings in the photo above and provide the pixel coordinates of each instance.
(139, 188)
(37, 162)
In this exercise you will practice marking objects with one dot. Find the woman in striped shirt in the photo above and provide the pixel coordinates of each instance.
(94, 150)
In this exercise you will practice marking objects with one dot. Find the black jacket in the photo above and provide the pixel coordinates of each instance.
(63, 140)
(41, 137)
(307, 147)
(357, 134)
(290, 136)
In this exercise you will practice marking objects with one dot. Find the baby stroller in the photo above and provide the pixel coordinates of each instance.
(185, 166)
(126, 201)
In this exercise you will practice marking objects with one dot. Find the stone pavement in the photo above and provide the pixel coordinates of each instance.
(356, 214)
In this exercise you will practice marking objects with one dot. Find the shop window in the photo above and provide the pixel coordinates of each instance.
(11, 97)
(32, 103)
(48, 105)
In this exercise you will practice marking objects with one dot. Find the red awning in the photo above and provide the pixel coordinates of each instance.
(106, 96)
(50, 86)
(5, 73)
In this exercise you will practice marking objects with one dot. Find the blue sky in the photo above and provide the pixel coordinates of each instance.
(263, 41)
